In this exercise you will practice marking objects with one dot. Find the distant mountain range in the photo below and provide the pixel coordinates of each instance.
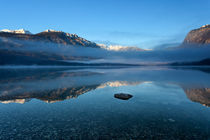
(198, 36)
(12, 40)
(51, 36)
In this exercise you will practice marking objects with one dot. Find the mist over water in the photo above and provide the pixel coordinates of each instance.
(186, 53)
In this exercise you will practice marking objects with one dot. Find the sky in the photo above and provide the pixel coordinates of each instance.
(141, 23)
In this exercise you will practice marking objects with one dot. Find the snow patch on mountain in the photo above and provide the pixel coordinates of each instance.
(19, 31)
(50, 30)
(205, 26)
(120, 48)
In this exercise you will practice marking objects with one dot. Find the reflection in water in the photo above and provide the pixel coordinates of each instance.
(200, 95)
(21, 101)
(163, 105)
(50, 85)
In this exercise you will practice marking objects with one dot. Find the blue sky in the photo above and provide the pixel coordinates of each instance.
(142, 23)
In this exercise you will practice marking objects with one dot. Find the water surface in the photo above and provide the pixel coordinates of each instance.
(64, 103)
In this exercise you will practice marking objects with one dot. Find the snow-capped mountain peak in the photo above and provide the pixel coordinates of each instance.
(50, 30)
(120, 48)
(19, 31)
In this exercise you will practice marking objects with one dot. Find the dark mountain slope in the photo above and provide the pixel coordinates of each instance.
(205, 62)
(52, 37)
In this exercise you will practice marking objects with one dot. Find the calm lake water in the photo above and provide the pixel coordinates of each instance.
(66, 103)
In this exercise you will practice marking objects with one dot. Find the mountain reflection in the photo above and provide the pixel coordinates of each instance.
(52, 85)
(200, 95)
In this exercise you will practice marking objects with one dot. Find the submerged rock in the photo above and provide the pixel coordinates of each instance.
(123, 96)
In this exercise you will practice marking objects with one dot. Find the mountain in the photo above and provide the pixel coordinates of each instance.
(15, 47)
(49, 47)
(51, 36)
(200, 36)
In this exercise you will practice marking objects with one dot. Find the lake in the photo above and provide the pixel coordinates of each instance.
(79, 103)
